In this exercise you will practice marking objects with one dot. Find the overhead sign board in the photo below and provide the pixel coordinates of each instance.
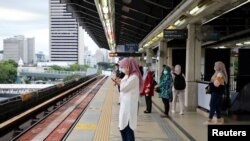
(129, 48)
(124, 54)
(175, 34)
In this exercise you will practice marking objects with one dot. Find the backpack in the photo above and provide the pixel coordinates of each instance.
(179, 82)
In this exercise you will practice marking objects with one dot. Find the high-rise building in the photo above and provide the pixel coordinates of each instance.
(63, 34)
(40, 57)
(19, 47)
(1, 55)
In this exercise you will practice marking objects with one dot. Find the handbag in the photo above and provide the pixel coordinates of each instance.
(158, 90)
(208, 89)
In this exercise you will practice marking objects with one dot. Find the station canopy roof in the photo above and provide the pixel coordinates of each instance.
(131, 21)
(134, 19)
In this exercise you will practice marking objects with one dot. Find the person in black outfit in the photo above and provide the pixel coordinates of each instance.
(118, 74)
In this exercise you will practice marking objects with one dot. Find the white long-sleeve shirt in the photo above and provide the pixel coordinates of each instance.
(129, 97)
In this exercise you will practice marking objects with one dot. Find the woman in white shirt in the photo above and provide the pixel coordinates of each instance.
(130, 87)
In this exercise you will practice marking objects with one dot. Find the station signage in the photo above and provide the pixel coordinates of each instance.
(175, 34)
(124, 54)
(128, 48)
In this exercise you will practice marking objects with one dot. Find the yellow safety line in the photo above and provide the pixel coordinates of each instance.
(103, 128)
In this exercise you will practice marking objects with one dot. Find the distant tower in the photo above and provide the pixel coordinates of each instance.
(20, 62)
(63, 34)
(19, 68)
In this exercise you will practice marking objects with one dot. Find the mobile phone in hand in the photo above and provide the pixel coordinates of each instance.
(115, 81)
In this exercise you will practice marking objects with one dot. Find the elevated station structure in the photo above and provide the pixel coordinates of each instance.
(192, 33)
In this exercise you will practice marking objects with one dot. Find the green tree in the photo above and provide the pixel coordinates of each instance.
(57, 68)
(8, 71)
(84, 67)
(12, 62)
(74, 67)
(104, 65)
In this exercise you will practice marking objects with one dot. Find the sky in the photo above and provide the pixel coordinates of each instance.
(31, 19)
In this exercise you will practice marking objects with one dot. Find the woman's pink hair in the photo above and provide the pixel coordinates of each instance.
(133, 69)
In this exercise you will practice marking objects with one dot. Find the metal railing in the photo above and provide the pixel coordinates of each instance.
(232, 83)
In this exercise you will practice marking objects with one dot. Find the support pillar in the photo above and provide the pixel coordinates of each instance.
(193, 67)
(149, 56)
(169, 60)
(163, 57)
(142, 61)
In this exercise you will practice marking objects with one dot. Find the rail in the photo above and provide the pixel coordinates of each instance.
(13, 122)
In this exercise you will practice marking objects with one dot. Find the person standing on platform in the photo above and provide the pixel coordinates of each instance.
(178, 89)
(218, 82)
(130, 87)
(148, 90)
(165, 89)
(118, 75)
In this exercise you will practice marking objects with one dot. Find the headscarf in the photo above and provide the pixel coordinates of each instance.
(133, 69)
(168, 69)
(177, 69)
(166, 83)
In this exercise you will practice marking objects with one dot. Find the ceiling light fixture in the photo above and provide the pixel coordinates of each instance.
(239, 44)
(247, 43)
(222, 47)
(196, 10)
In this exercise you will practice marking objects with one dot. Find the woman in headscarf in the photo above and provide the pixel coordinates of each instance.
(148, 90)
(218, 82)
(130, 87)
(165, 87)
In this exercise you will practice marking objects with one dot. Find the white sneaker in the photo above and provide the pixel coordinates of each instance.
(173, 111)
(220, 121)
(208, 123)
(181, 113)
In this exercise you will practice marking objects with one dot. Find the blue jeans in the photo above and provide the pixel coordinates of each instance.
(215, 105)
(127, 134)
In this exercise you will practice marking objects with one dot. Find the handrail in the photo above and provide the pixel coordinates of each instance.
(35, 109)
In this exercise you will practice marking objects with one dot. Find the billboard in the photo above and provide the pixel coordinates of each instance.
(128, 48)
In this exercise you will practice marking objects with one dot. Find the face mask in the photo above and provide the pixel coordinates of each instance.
(122, 70)
(165, 72)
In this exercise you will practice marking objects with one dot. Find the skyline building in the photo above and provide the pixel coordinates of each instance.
(63, 34)
(19, 47)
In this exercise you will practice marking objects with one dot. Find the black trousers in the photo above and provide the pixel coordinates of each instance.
(127, 134)
(166, 105)
(148, 100)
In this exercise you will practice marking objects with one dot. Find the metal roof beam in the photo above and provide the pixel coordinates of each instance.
(126, 9)
(130, 35)
(134, 26)
(156, 4)
(87, 14)
(127, 17)
(83, 7)
(131, 31)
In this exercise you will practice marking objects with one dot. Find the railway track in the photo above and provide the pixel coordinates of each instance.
(48, 121)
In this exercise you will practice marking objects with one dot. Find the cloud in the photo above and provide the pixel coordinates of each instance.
(41, 39)
(12, 15)
(90, 43)
(29, 18)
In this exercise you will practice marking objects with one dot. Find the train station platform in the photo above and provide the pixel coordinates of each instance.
(100, 121)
